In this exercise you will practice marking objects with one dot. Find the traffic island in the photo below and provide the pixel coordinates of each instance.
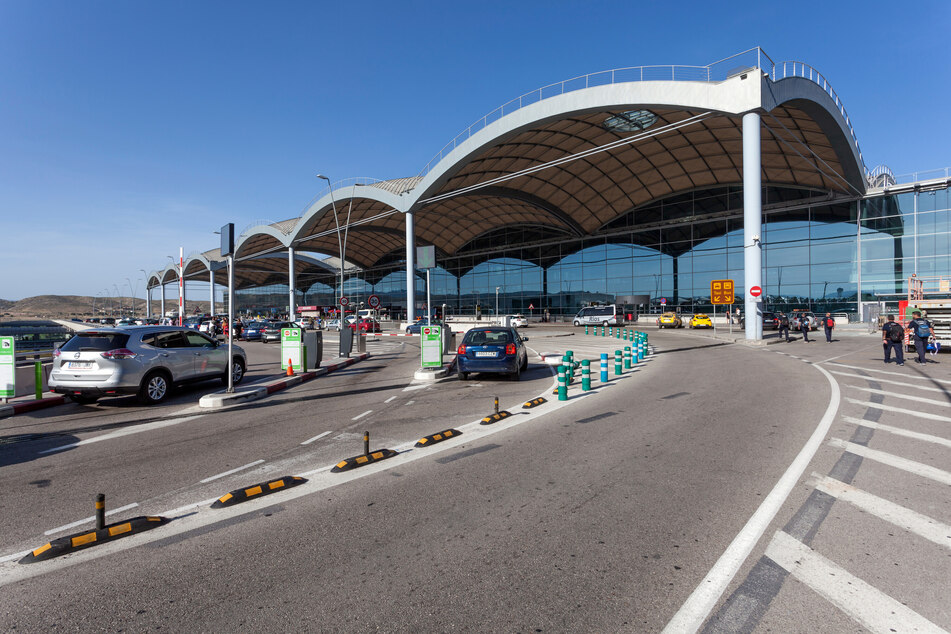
(15, 407)
(87, 539)
(258, 490)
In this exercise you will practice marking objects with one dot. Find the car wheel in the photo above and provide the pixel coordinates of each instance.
(463, 376)
(517, 375)
(79, 399)
(577, 323)
(525, 364)
(604, 324)
(155, 388)
(237, 372)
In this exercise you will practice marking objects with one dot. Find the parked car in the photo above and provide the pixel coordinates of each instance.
(414, 329)
(332, 324)
(797, 316)
(598, 316)
(670, 320)
(272, 331)
(192, 322)
(252, 331)
(307, 323)
(494, 349)
(125, 322)
(701, 320)
(770, 321)
(145, 360)
(208, 327)
(517, 321)
(366, 325)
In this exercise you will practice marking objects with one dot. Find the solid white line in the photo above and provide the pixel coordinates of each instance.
(898, 383)
(390, 399)
(359, 416)
(317, 437)
(917, 468)
(123, 432)
(409, 403)
(702, 600)
(901, 374)
(870, 607)
(90, 519)
(187, 507)
(900, 410)
(227, 473)
(313, 471)
(917, 399)
(921, 525)
(15, 556)
(898, 431)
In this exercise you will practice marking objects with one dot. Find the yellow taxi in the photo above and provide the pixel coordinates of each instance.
(701, 320)
(670, 320)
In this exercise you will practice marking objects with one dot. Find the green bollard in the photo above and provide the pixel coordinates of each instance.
(627, 357)
(617, 333)
(585, 375)
(617, 363)
(562, 386)
(586, 329)
(38, 378)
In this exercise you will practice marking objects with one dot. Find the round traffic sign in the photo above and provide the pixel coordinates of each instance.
(373, 301)
(756, 291)
(344, 301)
(426, 331)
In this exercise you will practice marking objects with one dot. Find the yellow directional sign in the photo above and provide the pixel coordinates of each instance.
(721, 291)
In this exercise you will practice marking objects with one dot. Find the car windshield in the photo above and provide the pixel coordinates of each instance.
(95, 341)
(487, 337)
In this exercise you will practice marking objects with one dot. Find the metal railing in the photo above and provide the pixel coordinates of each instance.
(927, 175)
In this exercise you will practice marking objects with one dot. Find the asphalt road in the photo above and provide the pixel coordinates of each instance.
(605, 513)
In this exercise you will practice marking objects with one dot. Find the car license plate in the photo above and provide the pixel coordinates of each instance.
(79, 365)
(485, 354)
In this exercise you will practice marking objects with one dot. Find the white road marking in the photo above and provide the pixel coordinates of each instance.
(20, 555)
(123, 432)
(917, 468)
(188, 507)
(317, 437)
(359, 416)
(409, 403)
(921, 525)
(227, 473)
(904, 375)
(870, 607)
(390, 399)
(89, 519)
(313, 471)
(917, 399)
(898, 431)
(702, 600)
(410, 388)
(900, 410)
(896, 383)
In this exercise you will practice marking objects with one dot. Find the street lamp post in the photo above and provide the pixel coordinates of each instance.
(148, 295)
(497, 302)
(341, 242)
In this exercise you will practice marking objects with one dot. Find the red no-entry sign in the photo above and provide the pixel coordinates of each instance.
(756, 291)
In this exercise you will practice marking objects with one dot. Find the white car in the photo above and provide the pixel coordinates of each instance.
(519, 321)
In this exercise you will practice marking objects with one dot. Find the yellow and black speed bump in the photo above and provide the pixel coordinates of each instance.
(362, 460)
(264, 488)
(441, 436)
(494, 418)
(79, 541)
(535, 402)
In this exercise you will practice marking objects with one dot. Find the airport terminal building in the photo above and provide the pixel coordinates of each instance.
(644, 182)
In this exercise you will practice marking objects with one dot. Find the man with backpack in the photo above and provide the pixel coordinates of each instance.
(784, 326)
(893, 338)
(829, 323)
(804, 327)
(920, 332)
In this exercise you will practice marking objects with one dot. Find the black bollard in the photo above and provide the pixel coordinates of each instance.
(496, 404)
(366, 443)
(100, 511)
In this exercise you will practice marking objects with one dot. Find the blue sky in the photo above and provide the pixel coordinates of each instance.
(128, 129)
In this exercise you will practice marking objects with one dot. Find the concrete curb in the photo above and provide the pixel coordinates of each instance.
(12, 409)
(220, 400)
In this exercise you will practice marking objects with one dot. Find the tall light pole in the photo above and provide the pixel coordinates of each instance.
(341, 243)
(132, 290)
(497, 302)
(148, 295)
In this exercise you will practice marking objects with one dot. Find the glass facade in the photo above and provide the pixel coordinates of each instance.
(817, 255)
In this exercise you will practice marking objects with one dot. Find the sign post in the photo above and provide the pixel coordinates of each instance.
(8, 368)
(721, 292)
(431, 346)
(292, 349)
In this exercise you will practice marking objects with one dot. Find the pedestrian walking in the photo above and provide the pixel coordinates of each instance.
(921, 331)
(784, 327)
(893, 338)
(804, 327)
(828, 322)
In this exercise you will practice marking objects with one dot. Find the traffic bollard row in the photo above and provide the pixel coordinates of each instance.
(562, 386)
(585, 376)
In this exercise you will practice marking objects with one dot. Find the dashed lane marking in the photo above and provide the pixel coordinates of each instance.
(89, 519)
(899, 410)
(921, 525)
(390, 399)
(317, 437)
(869, 606)
(409, 403)
(917, 468)
(359, 416)
(235, 470)
(898, 431)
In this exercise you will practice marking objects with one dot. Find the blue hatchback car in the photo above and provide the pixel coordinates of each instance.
(494, 349)
(254, 330)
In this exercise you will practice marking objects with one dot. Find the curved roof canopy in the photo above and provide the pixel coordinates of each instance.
(574, 164)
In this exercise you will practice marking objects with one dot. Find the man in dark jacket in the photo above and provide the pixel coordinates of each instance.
(893, 338)
(828, 322)
(920, 333)
(804, 327)
(783, 326)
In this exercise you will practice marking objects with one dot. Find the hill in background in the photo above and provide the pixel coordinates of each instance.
(66, 306)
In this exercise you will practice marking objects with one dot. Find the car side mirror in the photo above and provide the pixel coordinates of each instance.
(524, 338)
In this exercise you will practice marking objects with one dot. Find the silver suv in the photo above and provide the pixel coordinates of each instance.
(143, 360)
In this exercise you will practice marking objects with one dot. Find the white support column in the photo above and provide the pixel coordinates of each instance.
(148, 301)
(410, 268)
(752, 224)
(291, 307)
(211, 290)
(163, 299)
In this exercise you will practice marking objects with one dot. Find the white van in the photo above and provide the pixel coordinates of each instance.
(598, 316)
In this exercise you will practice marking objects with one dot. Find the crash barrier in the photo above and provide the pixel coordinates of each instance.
(258, 490)
(425, 441)
(535, 402)
(495, 417)
(367, 458)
